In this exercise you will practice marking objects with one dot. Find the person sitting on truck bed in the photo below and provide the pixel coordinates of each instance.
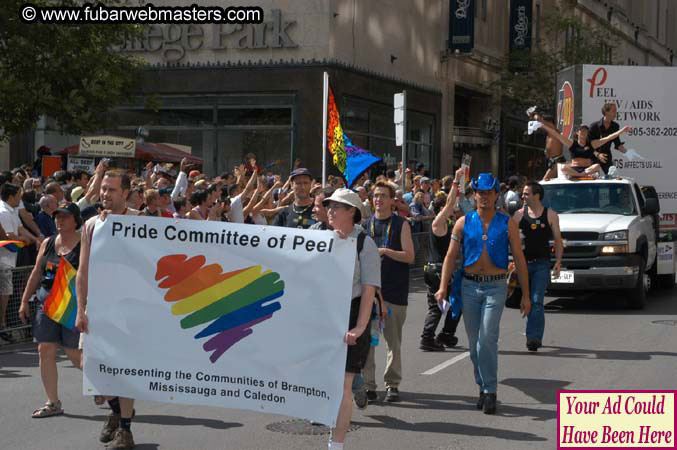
(600, 130)
(553, 147)
(581, 152)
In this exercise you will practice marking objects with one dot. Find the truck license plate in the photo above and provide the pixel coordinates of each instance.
(564, 277)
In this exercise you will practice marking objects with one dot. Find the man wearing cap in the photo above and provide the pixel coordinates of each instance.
(485, 236)
(300, 213)
(44, 218)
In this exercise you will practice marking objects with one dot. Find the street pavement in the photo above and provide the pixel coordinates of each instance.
(590, 343)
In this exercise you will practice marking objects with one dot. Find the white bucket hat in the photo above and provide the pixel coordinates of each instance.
(347, 197)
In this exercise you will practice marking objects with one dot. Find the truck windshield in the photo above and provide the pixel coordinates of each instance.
(590, 198)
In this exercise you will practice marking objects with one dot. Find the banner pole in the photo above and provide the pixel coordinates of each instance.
(325, 101)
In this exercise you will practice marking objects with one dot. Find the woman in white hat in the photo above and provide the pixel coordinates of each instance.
(344, 211)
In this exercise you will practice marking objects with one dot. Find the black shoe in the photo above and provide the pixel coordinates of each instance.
(7, 336)
(447, 339)
(489, 403)
(480, 400)
(372, 396)
(392, 395)
(533, 345)
(431, 345)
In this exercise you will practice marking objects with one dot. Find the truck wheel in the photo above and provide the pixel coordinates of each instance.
(666, 281)
(637, 295)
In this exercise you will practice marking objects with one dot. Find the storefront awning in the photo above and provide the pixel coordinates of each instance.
(149, 151)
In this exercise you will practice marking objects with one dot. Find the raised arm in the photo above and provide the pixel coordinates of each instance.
(597, 143)
(556, 134)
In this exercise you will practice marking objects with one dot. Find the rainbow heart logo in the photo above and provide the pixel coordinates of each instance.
(230, 303)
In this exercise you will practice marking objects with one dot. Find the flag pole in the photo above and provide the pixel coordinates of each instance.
(325, 101)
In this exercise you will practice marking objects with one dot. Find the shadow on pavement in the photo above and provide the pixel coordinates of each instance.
(543, 391)
(449, 428)
(569, 352)
(12, 374)
(167, 420)
(658, 303)
(465, 403)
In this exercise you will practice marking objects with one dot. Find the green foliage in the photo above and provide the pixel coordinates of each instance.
(529, 78)
(69, 72)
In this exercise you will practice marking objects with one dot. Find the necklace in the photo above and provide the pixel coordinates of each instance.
(301, 211)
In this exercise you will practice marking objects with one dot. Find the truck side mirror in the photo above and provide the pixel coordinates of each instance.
(651, 207)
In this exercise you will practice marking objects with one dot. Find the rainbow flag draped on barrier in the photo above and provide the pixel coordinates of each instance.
(61, 304)
(12, 246)
(351, 160)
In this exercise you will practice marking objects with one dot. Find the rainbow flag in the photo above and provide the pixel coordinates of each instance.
(12, 246)
(61, 304)
(351, 160)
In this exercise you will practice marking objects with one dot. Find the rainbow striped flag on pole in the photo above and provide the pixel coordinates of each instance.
(61, 304)
(12, 246)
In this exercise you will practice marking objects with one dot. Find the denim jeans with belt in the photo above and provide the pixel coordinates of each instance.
(482, 308)
(539, 275)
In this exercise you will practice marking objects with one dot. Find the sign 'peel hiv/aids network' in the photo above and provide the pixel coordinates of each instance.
(220, 314)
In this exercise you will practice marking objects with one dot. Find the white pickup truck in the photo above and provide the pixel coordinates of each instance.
(610, 232)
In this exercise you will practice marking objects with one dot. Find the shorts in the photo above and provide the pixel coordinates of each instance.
(6, 286)
(47, 330)
(357, 354)
(552, 162)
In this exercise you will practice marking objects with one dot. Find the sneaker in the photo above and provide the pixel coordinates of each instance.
(123, 439)
(109, 428)
(361, 399)
(533, 345)
(392, 395)
(431, 345)
(372, 396)
(480, 400)
(447, 339)
(489, 403)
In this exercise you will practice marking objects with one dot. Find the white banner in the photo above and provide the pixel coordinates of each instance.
(220, 314)
(76, 163)
(647, 101)
(107, 146)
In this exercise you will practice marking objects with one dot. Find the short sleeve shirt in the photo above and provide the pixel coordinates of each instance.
(9, 219)
(367, 265)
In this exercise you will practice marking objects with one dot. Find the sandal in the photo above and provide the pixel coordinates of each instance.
(49, 409)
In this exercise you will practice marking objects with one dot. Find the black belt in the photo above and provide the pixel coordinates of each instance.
(484, 278)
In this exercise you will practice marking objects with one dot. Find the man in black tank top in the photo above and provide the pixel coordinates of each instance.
(538, 225)
(440, 237)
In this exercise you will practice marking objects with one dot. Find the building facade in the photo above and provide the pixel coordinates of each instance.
(226, 90)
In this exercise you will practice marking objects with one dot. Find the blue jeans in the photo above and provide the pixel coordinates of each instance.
(539, 275)
(482, 308)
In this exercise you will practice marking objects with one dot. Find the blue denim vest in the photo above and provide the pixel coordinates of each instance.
(497, 240)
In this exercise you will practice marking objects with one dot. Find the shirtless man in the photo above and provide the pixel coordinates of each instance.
(485, 235)
(114, 191)
(553, 148)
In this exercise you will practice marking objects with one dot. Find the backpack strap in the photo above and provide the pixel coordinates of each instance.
(360, 242)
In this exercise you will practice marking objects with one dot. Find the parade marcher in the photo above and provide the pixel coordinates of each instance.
(485, 235)
(604, 128)
(344, 212)
(320, 211)
(392, 235)
(539, 225)
(114, 192)
(440, 237)
(300, 213)
(49, 334)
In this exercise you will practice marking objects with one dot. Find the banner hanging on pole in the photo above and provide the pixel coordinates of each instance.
(220, 314)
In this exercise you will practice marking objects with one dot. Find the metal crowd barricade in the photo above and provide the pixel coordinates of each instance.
(422, 252)
(17, 330)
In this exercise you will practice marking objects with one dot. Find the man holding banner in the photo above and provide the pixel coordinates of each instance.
(114, 191)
